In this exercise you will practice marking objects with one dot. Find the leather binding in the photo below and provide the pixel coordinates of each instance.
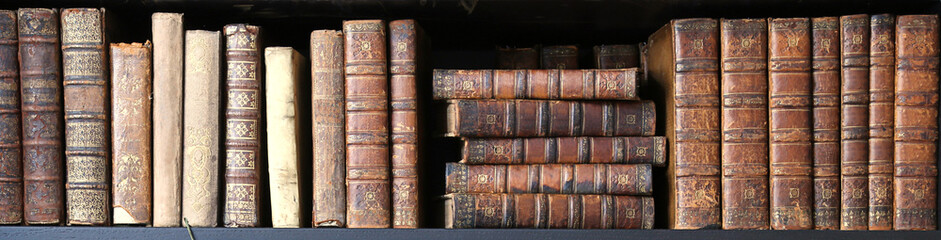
(854, 122)
(559, 57)
(826, 117)
(11, 160)
(284, 68)
(168, 116)
(541, 118)
(201, 115)
(617, 56)
(643, 79)
(243, 155)
(613, 84)
(367, 125)
(744, 54)
(881, 120)
(916, 126)
(683, 63)
(790, 95)
(131, 125)
(43, 126)
(537, 210)
(615, 179)
(571, 150)
(329, 150)
(517, 58)
(403, 37)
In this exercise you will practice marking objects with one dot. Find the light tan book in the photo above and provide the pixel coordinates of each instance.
(201, 128)
(168, 118)
(283, 68)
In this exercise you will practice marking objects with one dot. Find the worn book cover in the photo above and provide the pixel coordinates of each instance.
(131, 125)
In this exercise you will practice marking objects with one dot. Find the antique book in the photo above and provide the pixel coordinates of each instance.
(559, 57)
(538, 210)
(617, 56)
(367, 125)
(744, 61)
(790, 96)
(168, 116)
(517, 58)
(826, 117)
(613, 84)
(43, 126)
(85, 89)
(405, 36)
(854, 122)
(916, 127)
(201, 115)
(881, 119)
(329, 116)
(615, 150)
(283, 70)
(614, 179)
(542, 118)
(11, 160)
(243, 133)
(642, 80)
(683, 65)
(131, 128)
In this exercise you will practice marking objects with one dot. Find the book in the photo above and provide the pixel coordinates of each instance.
(11, 157)
(404, 60)
(284, 68)
(826, 117)
(613, 84)
(201, 115)
(614, 179)
(854, 122)
(881, 119)
(131, 125)
(644, 53)
(613, 150)
(329, 116)
(168, 118)
(744, 61)
(617, 56)
(542, 118)
(517, 58)
(686, 73)
(87, 136)
(559, 57)
(537, 210)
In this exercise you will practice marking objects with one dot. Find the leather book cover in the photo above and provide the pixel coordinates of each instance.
(284, 68)
(201, 115)
(826, 117)
(329, 133)
(744, 54)
(43, 125)
(517, 58)
(643, 78)
(571, 150)
(131, 125)
(539, 210)
(168, 116)
(617, 56)
(541, 118)
(367, 125)
(881, 119)
(403, 37)
(614, 179)
(11, 160)
(854, 122)
(559, 57)
(564, 84)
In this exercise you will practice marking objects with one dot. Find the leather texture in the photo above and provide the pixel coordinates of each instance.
(617, 56)
(131, 125)
(854, 122)
(329, 142)
(585, 84)
(612, 150)
(542, 118)
(403, 37)
(559, 57)
(11, 148)
(881, 119)
(517, 58)
(528, 210)
(826, 117)
(615, 179)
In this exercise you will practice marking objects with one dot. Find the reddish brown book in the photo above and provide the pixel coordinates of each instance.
(517, 58)
(559, 57)
(826, 115)
(329, 142)
(854, 122)
(403, 35)
(617, 56)
(616, 150)
(744, 56)
(11, 160)
(536, 210)
(615, 179)
(540, 118)
(881, 119)
(131, 125)
(614, 84)
(916, 126)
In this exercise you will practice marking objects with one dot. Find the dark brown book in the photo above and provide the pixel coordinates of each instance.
(329, 150)
(617, 56)
(791, 151)
(403, 36)
(537, 210)
(614, 179)
(541, 118)
(826, 117)
(243, 156)
(744, 56)
(517, 58)
(131, 125)
(643, 78)
(613, 84)
(916, 126)
(881, 119)
(367, 125)
(559, 57)
(614, 150)
(854, 122)
(11, 160)
(43, 127)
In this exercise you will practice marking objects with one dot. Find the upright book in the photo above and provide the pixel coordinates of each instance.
(542, 118)
(826, 115)
(616, 150)
(559, 57)
(131, 125)
(615, 179)
(881, 119)
(517, 58)
(329, 116)
(854, 122)
(617, 56)
(168, 118)
(11, 156)
(201, 115)
(610, 84)
(283, 70)
(404, 36)
(529, 210)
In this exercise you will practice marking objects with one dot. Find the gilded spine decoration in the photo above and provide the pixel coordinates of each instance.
(243, 156)
(11, 160)
(826, 115)
(854, 122)
(403, 35)
(201, 115)
(881, 119)
(131, 122)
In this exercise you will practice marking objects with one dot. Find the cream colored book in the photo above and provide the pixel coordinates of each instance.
(283, 70)
(168, 118)
(201, 128)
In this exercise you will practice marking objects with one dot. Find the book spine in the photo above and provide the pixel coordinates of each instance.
(517, 58)
(201, 113)
(403, 36)
(560, 57)
(41, 89)
(540, 118)
(916, 126)
(329, 116)
(642, 64)
(243, 156)
(881, 119)
(613, 150)
(617, 56)
(131, 122)
(168, 116)
(615, 179)
(586, 84)
(744, 54)
(11, 158)
(536, 210)
(826, 117)
(854, 122)
(282, 73)
(367, 125)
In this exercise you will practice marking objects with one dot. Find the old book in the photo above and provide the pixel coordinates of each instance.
(87, 136)
(916, 127)
(559, 57)
(613, 84)
(367, 125)
(283, 70)
(744, 56)
(826, 117)
(615, 179)
(542, 118)
(329, 116)
(243, 156)
(683, 64)
(643, 79)
(537, 210)
(517, 58)
(404, 35)
(615, 150)
(617, 56)
(131, 128)
(168, 116)
(854, 122)
(881, 119)
(201, 115)
(790, 100)
(11, 160)
(43, 126)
